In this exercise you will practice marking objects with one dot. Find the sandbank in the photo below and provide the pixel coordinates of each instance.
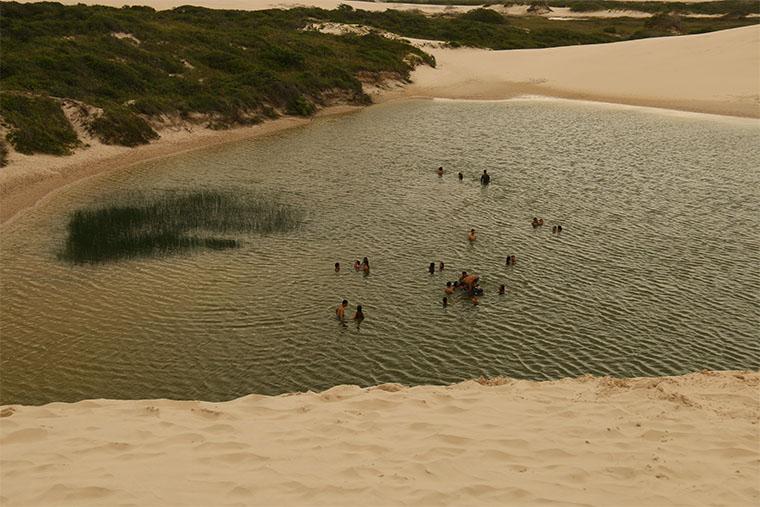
(717, 73)
(687, 440)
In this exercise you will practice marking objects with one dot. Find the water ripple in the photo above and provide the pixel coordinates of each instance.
(655, 272)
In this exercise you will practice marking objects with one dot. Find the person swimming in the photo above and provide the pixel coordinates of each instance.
(449, 288)
(337, 267)
(485, 178)
(445, 301)
(340, 312)
(554, 229)
(440, 266)
(470, 282)
(535, 223)
(559, 229)
(502, 289)
(440, 171)
(357, 265)
(513, 259)
(358, 314)
(509, 260)
(431, 268)
(472, 236)
(461, 176)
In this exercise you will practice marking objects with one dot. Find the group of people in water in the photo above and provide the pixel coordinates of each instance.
(539, 222)
(467, 283)
(340, 312)
(485, 178)
(358, 266)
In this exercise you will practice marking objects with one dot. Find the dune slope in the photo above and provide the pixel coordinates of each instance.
(690, 440)
(717, 72)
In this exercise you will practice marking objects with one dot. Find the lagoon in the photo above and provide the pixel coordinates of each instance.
(655, 272)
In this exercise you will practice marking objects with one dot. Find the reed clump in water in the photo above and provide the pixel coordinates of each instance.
(171, 223)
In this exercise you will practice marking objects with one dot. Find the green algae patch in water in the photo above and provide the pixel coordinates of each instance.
(154, 226)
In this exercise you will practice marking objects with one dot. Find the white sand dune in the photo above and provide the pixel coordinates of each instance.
(716, 72)
(690, 440)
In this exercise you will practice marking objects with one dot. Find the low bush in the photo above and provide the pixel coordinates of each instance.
(121, 126)
(37, 125)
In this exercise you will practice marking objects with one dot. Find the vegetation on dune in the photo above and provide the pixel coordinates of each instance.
(487, 28)
(3, 153)
(118, 125)
(711, 7)
(136, 66)
(172, 223)
(37, 125)
(219, 67)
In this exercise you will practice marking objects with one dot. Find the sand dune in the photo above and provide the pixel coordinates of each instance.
(717, 72)
(690, 440)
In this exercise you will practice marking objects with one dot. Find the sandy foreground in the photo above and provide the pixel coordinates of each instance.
(689, 440)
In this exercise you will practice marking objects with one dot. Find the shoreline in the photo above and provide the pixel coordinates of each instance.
(28, 191)
(673, 70)
(673, 440)
(19, 193)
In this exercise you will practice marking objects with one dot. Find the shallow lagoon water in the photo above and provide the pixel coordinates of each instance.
(655, 272)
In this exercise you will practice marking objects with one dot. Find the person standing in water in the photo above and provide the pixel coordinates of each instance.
(440, 266)
(472, 236)
(431, 268)
(357, 265)
(365, 266)
(502, 289)
(485, 178)
(358, 314)
(445, 301)
(337, 267)
(439, 171)
(461, 176)
(340, 312)
(449, 289)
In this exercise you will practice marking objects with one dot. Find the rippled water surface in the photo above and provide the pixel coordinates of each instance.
(656, 271)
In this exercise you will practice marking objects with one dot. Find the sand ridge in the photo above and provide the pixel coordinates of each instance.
(717, 72)
(688, 440)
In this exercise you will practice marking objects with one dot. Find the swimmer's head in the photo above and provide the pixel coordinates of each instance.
(345, 302)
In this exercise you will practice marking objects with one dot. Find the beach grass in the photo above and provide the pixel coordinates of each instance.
(173, 222)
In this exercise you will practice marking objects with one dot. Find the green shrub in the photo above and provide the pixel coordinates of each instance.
(120, 126)
(3, 153)
(484, 16)
(38, 125)
(300, 106)
(665, 22)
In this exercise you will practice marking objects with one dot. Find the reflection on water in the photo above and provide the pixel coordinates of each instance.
(654, 273)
